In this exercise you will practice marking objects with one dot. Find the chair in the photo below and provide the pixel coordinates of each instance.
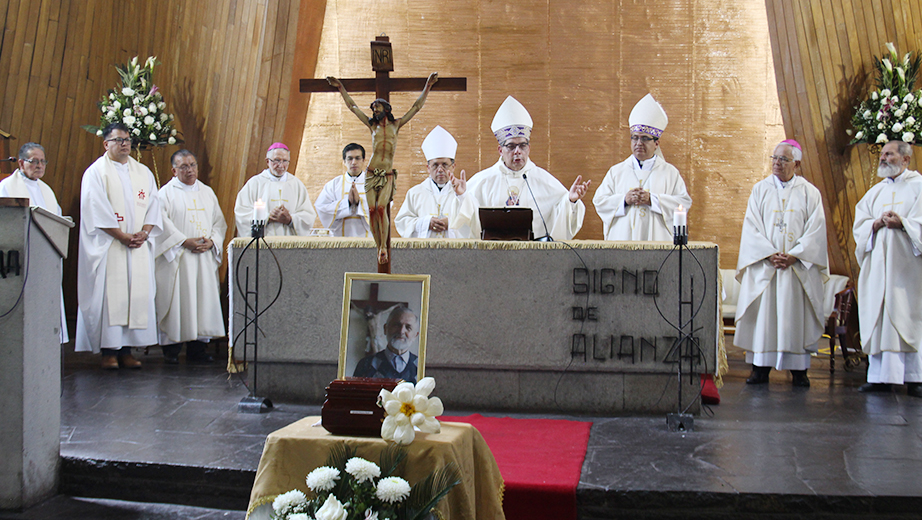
(843, 324)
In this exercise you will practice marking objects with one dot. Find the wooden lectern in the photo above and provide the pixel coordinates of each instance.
(32, 243)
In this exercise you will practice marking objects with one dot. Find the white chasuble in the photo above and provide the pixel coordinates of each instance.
(188, 289)
(641, 223)
(781, 310)
(334, 211)
(115, 284)
(287, 191)
(890, 279)
(498, 186)
(424, 202)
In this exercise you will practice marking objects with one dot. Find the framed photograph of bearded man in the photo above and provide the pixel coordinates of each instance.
(385, 317)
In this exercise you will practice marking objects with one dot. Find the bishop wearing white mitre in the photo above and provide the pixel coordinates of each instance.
(638, 196)
(516, 181)
(431, 205)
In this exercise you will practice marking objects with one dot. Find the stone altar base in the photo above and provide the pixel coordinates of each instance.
(576, 327)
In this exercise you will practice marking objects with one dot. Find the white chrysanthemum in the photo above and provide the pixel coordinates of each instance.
(332, 509)
(300, 516)
(171, 140)
(882, 138)
(129, 120)
(148, 120)
(362, 470)
(289, 502)
(908, 137)
(407, 407)
(393, 489)
(127, 91)
(322, 478)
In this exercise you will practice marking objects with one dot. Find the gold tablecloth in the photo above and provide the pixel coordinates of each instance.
(293, 451)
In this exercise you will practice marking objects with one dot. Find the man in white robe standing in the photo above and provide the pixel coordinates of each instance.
(428, 207)
(119, 215)
(888, 242)
(26, 182)
(286, 198)
(188, 255)
(507, 182)
(781, 268)
(342, 206)
(638, 196)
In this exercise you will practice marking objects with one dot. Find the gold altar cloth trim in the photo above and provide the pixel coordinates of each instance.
(295, 450)
(458, 243)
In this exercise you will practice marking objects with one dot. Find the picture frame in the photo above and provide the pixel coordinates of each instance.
(370, 302)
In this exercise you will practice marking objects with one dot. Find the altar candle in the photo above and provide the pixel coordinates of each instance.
(259, 211)
(680, 217)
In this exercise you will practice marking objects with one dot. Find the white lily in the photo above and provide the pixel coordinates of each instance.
(410, 406)
(891, 48)
(887, 64)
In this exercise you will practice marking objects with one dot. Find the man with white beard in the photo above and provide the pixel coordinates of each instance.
(781, 267)
(396, 361)
(888, 242)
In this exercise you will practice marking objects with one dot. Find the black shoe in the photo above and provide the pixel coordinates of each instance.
(914, 389)
(202, 358)
(799, 378)
(170, 360)
(171, 353)
(875, 387)
(759, 375)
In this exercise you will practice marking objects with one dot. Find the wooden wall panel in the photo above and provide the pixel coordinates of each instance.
(823, 53)
(226, 74)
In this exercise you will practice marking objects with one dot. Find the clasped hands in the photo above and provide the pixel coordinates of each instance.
(198, 245)
(890, 220)
(280, 215)
(637, 197)
(782, 260)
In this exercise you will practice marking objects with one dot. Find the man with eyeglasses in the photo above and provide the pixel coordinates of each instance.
(637, 198)
(888, 241)
(119, 215)
(341, 205)
(26, 182)
(781, 267)
(286, 199)
(188, 255)
(516, 181)
(433, 204)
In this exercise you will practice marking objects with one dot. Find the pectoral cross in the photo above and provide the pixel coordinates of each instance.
(193, 219)
(279, 201)
(893, 203)
(782, 225)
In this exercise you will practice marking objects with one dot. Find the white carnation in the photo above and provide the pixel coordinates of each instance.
(880, 126)
(904, 107)
(112, 96)
(874, 95)
(323, 478)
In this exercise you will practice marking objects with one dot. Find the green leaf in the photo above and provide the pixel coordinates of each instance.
(427, 493)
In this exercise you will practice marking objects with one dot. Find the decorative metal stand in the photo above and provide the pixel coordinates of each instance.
(681, 421)
(252, 403)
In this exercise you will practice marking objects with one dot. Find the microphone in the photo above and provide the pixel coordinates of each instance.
(547, 235)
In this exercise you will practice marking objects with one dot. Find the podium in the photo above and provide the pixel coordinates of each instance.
(32, 243)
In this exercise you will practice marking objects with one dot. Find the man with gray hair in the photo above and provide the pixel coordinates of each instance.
(287, 202)
(888, 245)
(396, 361)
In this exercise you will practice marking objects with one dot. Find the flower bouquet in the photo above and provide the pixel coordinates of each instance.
(139, 105)
(892, 111)
(352, 488)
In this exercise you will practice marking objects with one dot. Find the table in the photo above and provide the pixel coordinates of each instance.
(293, 451)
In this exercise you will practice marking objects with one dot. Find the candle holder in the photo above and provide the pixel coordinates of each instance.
(680, 235)
(258, 229)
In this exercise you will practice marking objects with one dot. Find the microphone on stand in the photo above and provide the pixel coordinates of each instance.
(547, 235)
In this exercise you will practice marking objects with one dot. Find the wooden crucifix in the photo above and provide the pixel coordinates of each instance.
(379, 182)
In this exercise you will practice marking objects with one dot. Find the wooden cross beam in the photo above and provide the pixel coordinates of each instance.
(382, 62)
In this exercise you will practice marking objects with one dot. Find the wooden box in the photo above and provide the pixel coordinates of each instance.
(351, 406)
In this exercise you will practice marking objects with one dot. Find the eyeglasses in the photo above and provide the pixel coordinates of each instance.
(780, 158)
(513, 146)
(187, 167)
(642, 138)
(279, 161)
(43, 162)
(120, 140)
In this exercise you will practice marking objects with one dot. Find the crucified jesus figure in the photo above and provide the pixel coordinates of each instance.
(381, 177)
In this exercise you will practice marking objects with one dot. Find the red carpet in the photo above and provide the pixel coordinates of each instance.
(540, 461)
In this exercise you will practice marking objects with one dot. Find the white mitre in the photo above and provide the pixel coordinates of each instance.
(439, 143)
(648, 117)
(511, 120)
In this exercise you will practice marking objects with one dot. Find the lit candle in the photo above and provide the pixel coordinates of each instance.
(259, 211)
(680, 217)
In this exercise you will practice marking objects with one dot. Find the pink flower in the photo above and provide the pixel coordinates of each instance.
(153, 89)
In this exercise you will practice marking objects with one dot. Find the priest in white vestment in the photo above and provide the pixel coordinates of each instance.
(26, 183)
(637, 198)
(516, 181)
(286, 198)
(431, 205)
(119, 218)
(781, 269)
(342, 206)
(888, 244)
(188, 255)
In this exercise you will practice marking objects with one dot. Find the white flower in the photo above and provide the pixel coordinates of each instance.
(859, 135)
(142, 110)
(116, 105)
(899, 113)
(910, 120)
(901, 73)
(290, 502)
(163, 117)
(880, 126)
(909, 137)
(392, 489)
(173, 132)
(126, 112)
(110, 114)
(148, 120)
(332, 509)
(153, 137)
(171, 140)
(874, 95)
(161, 105)
(129, 120)
(410, 406)
(323, 478)
(904, 107)
(908, 98)
(136, 132)
(887, 65)
(171, 117)
(880, 115)
(299, 516)
(884, 93)
(157, 126)
(867, 114)
(112, 96)
(895, 99)
(152, 107)
(151, 60)
(882, 138)
(362, 470)
(897, 127)
(891, 47)
(127, 91)
(371, 515)
(99, 132)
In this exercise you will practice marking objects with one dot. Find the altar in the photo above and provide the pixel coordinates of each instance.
(574, 327)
